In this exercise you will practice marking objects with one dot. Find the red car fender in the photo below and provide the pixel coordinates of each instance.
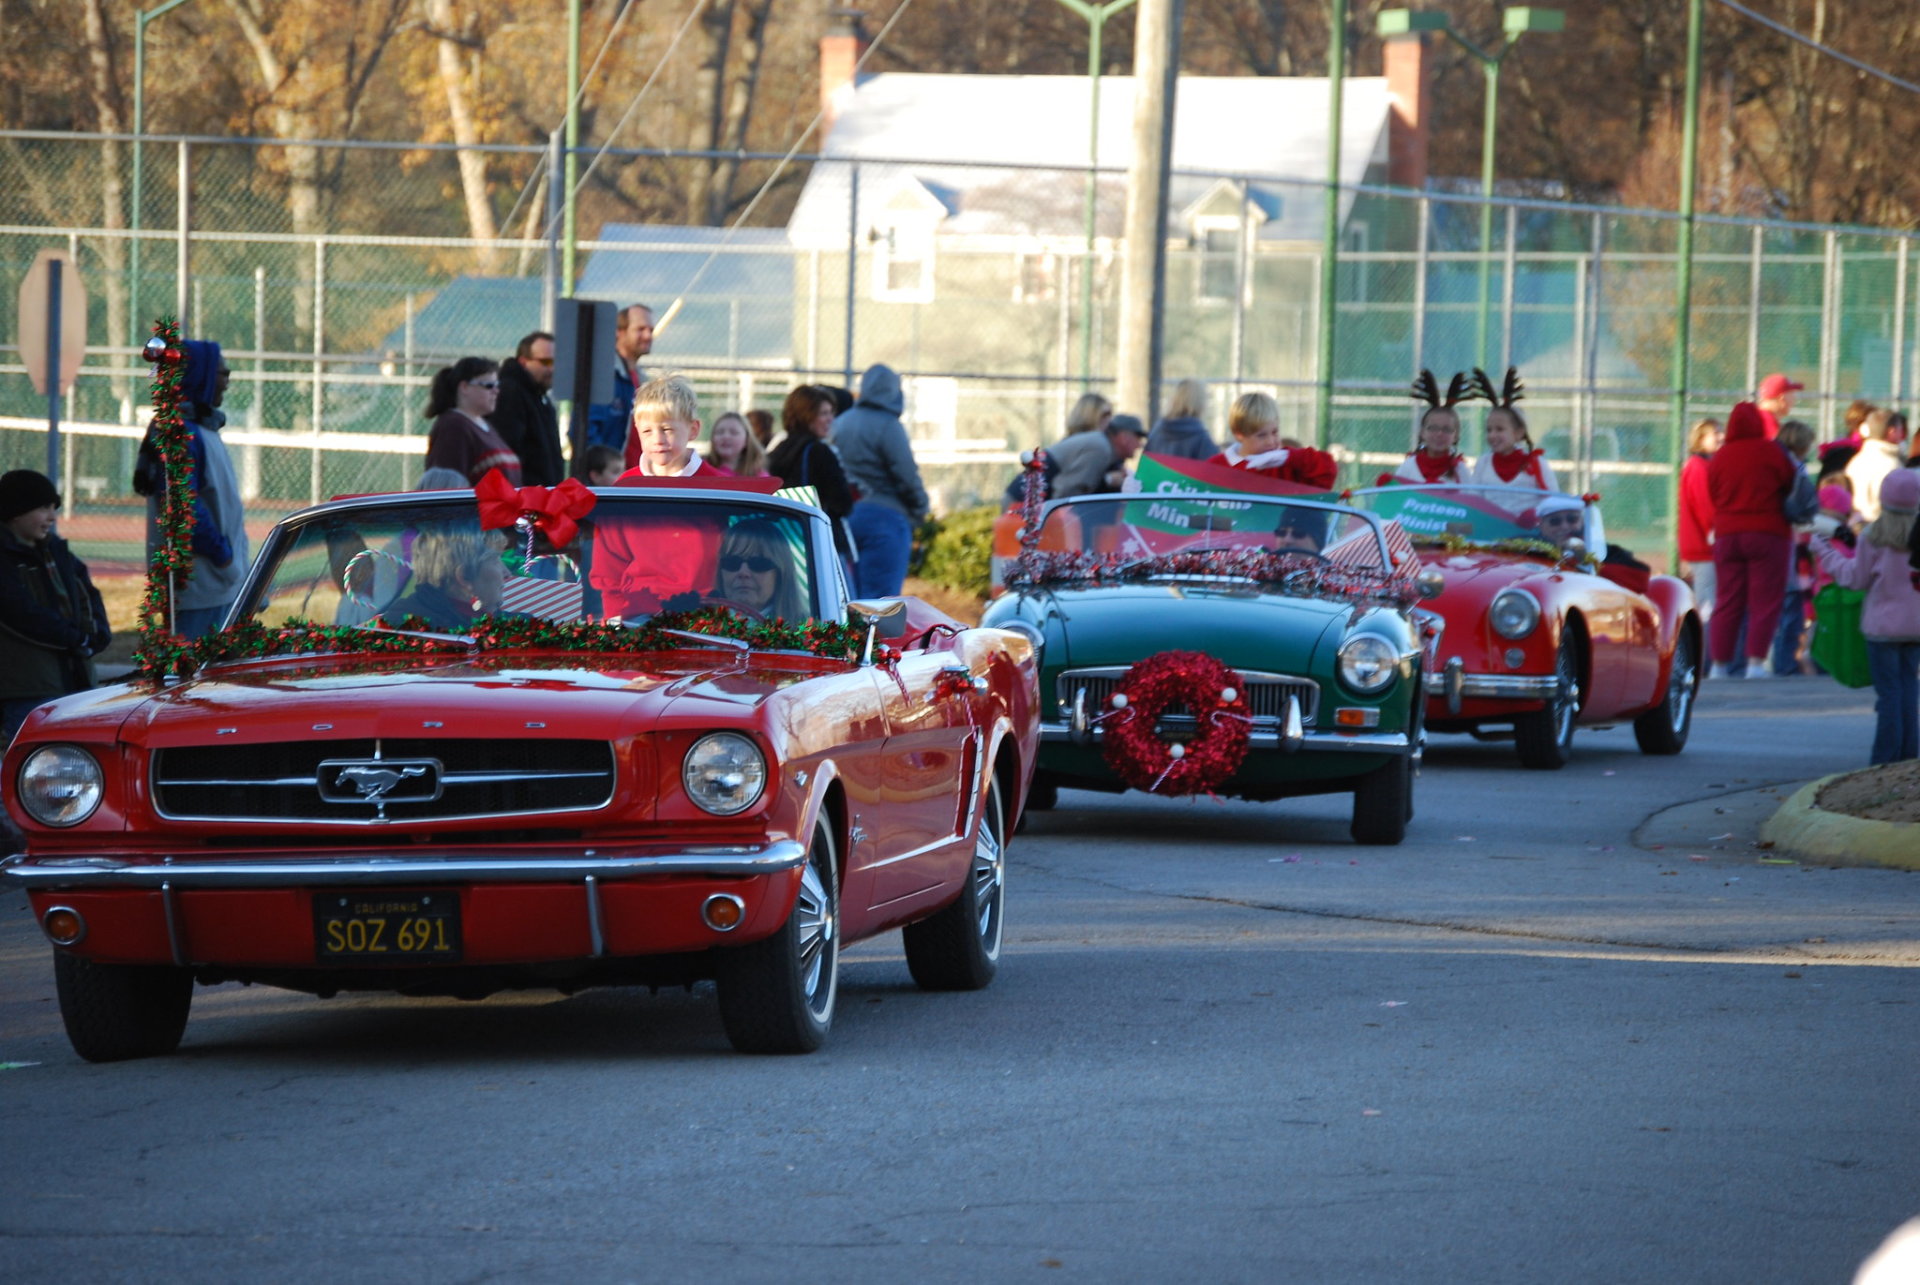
(1674, 597)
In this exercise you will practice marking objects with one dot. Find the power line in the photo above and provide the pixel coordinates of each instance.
(1830, 52)
(579, 96)
(771, 178)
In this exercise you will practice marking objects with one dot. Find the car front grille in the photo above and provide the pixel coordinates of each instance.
(465, 779)
(1265, 694)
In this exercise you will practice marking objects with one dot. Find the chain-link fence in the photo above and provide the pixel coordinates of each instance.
(338, 278)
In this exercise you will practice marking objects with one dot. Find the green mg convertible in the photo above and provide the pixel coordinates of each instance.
(1241, 645)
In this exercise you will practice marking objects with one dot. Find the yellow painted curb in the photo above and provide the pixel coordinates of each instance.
(1801, 829)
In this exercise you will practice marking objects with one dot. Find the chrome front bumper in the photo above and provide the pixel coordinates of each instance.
(1306, 742)
(722, 861)
(1456, 684)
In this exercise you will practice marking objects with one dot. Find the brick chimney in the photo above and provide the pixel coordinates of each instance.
(1409, 66)
(840, 52)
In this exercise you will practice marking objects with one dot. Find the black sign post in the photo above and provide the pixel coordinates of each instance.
(583, 335)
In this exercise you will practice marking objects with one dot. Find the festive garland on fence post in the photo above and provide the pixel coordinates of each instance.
(161, 650)
(1215, 695)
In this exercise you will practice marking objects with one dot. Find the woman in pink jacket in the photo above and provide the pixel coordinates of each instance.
(1890, 616)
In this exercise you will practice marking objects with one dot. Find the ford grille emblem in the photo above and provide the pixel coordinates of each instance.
(379, 781)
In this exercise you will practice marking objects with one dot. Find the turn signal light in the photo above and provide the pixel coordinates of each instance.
(1356, 717)
(63, 926)
(723, 912)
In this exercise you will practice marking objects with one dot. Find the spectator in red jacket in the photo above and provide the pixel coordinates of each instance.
(1696, 514)
(1257, 446)
(1748, 480)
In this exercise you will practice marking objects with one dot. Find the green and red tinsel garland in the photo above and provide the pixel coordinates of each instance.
(172, 560)
(163, 653)
(251, 640)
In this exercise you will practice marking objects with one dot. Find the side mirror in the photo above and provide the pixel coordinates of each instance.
(1431, 583)
(883, 617)
(1575, 550)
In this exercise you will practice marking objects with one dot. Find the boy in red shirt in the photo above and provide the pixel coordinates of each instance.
(1258, 447)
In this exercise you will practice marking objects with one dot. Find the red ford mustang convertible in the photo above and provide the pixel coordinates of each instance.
(654, 746)
(1542, 625)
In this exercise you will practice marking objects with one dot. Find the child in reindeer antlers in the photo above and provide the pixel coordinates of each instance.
(1435, 457)
(1511, 459)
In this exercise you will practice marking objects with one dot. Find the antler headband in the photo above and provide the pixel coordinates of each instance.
(1427, 389)
(1510, 391)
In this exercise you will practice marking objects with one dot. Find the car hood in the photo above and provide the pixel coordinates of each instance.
(599, 698)
(1242, 627)
(1484, 570)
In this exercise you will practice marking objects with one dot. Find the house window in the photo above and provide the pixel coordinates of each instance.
(903, 264)
(1219, 278)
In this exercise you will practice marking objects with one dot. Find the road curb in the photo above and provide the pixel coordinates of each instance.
(1802, 829)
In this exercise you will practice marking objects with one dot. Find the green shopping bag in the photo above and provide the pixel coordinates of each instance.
(1838, 645)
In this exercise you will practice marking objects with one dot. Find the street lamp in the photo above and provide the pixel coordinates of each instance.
(1516, 21)
(1096, 14)
(140, 22)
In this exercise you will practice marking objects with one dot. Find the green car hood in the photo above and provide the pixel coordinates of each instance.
(1244, 628)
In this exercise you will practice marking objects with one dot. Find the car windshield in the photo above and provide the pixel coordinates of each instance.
(1178, 531)
(1484, 515)
(428, 562)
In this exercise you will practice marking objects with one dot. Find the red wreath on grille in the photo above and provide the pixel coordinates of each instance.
(1215, 695)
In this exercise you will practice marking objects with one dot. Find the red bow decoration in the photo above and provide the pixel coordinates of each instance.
(556, 511)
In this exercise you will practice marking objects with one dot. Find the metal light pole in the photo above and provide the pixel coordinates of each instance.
(1516, 22)
(1096, 15)
(140, 22)
(1683, 301)
(1330, 234)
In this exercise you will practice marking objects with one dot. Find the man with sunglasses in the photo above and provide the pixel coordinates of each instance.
(524, 415)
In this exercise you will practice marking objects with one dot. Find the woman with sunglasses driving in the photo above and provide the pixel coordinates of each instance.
(756, 572)
(461, 398)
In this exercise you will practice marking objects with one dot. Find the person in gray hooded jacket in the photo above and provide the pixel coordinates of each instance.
(878, 459)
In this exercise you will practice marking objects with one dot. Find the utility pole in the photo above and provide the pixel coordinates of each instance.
(1156, 63)
(1096, 15)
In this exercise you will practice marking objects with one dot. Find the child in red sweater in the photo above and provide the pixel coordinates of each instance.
(1258, 446)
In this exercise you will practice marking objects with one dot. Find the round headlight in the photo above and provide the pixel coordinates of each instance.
(1514, 613)
(1368, 663)
(1027, 630)
(724, 773)
(60, 785)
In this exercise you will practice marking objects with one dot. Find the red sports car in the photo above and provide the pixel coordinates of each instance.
(427, 757)
(1541, 625)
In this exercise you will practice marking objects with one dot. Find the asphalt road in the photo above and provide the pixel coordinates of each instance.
(1575, 1029)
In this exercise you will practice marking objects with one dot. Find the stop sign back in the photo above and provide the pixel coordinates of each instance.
(36, 294)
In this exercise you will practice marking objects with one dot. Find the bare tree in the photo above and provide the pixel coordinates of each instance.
(452, 40)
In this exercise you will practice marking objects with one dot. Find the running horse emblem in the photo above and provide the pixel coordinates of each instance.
(373, 782)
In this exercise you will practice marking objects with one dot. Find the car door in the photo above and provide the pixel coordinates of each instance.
(931, 752)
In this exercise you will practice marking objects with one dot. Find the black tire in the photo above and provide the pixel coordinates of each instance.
(958, 948)
(1664, 728)
(777, 995)
(1382, 802)
(118, 1011)
(1545, 737)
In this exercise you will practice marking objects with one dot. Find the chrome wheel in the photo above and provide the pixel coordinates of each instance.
(1544, 737)
(777, 994)
(957, 948)
(814, 944)
(1664, 728)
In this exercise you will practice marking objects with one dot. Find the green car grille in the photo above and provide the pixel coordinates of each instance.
(1266, 694)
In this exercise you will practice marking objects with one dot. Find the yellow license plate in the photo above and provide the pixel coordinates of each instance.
(386, 927)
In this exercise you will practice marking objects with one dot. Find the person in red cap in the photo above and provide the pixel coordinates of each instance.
(1748, 479)
(1775, 400)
